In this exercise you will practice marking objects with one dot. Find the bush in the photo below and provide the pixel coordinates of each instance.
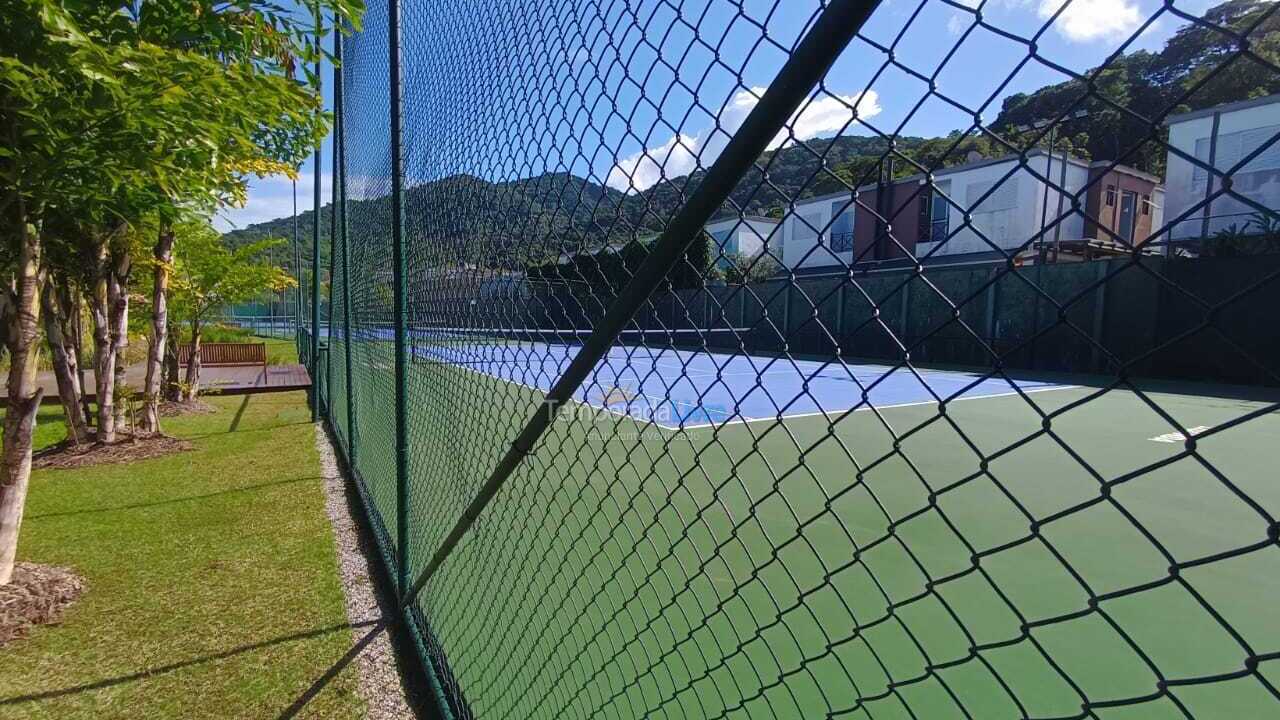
(745, 269)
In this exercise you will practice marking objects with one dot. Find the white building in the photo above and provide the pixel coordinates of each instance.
(1222, 138)
(819, 231)
(1008, 204)
(746, 236)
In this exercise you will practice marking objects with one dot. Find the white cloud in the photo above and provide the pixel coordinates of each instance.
(681, 154)
(643, 169)
(957, 23)
(271, 198)
(1088, 20)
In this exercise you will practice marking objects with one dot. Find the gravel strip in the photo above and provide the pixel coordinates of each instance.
(380, 679)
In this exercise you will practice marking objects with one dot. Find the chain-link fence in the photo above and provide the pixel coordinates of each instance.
(912, 359)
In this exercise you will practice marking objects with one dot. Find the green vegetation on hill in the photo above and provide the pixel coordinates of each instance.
(483, 221)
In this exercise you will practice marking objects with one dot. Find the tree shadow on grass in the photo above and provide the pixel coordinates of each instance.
(176, 500)
(375, 625)
(268, 428)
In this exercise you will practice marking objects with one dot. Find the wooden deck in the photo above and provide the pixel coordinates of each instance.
(241, 380)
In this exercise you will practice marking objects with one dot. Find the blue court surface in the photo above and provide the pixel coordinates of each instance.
(687, 389)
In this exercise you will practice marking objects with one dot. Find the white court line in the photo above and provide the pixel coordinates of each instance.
(869, 406)
(593, 406)
(744, 421)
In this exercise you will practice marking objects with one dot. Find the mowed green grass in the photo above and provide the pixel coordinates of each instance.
(212, 582)
(800, 570)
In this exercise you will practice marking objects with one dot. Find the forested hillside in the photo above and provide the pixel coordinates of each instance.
(1124, 107)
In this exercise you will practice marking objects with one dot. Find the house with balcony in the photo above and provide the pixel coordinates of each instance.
(1010, 208)
(1240, 141)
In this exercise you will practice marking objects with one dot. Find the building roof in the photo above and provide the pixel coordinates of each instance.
(1228, 107)
(1127, 171)
(745, 218)
(954, 169)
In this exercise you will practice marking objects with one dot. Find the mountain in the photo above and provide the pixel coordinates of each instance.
(558, 212)
(470, 219)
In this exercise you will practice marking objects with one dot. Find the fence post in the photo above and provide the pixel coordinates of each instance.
(340, 154)
(297, 271)
(905, 313)
(315, 248)
(333, 229)
(992, 329)
(840, 315)
(398, 272)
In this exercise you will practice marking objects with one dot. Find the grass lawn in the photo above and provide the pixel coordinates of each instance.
(212, 587)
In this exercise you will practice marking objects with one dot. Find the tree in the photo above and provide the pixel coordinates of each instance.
(209, 276)
(745, 269)
(1149, 84)
(116, 117)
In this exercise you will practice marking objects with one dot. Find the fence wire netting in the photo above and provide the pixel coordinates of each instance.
(959, 401)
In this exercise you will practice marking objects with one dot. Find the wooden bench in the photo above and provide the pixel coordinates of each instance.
(227, 355)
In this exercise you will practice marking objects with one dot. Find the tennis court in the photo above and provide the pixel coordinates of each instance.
(956, 546)
(813, 359)
(687, 389)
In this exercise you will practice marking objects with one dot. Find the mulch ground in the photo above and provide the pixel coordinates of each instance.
(127, 448)
(36, 595)
(188, 407)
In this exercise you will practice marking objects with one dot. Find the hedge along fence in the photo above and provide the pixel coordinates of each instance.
(1152, 319)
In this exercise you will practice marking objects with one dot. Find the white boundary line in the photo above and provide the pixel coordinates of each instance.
(745, 421)
(869, 406)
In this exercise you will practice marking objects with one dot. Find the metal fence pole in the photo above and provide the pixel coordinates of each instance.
(314, 350)
(297, 271)
(340, 153)
(333, 219)
(398, 271)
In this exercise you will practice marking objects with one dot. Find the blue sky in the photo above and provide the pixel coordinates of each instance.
(632, 57)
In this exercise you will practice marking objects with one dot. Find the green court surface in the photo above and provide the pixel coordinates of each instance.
(986, 563)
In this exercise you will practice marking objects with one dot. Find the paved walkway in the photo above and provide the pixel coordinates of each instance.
(225, 380)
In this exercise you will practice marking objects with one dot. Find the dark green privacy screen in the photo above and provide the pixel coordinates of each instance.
(815, 359)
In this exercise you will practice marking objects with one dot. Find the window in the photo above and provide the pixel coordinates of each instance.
(804, 235)
(1231, 149)
(726, 240)
(934, 213)
(1146, 204)
(1111, 196)
(842, 226)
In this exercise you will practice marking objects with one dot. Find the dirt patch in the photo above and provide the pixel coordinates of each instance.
(127, 448)
(187, 407)
(36, 595)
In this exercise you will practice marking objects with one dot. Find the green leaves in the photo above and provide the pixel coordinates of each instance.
(122, 112)
(208, 274)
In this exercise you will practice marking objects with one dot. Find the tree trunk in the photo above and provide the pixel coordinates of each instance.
(172, 388)
(22, 321)
(55, 301)
(76, 337)
(104, 360)
(162, 256)
(192, 382)
(110, 311)
(104, 350)
(120, 336)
